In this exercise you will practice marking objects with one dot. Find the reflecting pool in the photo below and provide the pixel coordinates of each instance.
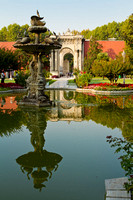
(64, 152)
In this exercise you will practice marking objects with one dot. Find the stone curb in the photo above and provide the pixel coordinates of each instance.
(104, 92)
(13, 91)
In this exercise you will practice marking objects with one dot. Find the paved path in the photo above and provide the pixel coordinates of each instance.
(62, 83)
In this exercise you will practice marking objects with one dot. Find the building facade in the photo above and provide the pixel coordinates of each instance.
(74, 47)
(77, 46)
(71, 45)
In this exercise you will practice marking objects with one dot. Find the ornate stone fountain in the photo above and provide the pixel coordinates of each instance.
(36, 81)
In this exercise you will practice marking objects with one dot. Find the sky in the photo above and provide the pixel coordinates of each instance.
(60, 15)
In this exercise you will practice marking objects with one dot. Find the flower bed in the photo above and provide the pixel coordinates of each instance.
(11, 86)
(110, 86)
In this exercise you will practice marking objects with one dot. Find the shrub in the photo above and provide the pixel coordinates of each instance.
(83, 79)
(21, 78)
(46, 73)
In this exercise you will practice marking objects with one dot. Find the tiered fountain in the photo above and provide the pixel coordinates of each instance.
(36, 81)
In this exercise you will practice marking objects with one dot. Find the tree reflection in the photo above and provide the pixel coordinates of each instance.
(45, 162)
(109, 111)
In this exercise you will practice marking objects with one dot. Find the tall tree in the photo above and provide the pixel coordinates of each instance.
(94, 49)
(3, 34)
(127, 33)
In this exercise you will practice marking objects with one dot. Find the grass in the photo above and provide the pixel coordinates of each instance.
(100, 80)
(105, 80)
(7, 80)
(50, 81)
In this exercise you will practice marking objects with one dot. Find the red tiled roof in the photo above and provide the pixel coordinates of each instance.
(113, 48)
(7, 45)
(10, 103)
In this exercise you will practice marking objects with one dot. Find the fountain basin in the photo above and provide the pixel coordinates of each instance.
(37, 48)
(37, 29)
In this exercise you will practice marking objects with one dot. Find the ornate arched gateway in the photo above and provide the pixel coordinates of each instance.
(71, 44)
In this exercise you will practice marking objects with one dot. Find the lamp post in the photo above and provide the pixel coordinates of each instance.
(124, 55)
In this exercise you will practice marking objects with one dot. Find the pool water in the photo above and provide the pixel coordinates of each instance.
(62, 152)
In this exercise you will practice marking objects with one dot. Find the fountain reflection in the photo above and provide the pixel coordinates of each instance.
(45, 162)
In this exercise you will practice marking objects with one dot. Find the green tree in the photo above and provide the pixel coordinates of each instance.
(94, 49)
(8, 60)
(127, 33)
(112, 29)
(11, 32)
(23, 58)
(86, 33)
(112, 68)
(75, 32)
(3, 34)
(103, 56)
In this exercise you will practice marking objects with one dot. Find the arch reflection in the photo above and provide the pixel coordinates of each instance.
(39, 164)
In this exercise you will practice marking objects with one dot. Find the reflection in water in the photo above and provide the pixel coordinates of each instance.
(65, 107)
(113, 112)
(39, 165)
(40, 158)
(110, 111)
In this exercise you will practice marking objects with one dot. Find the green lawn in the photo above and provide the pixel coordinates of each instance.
(7, 80)
(100, 80)
(120, 80)
(50, 81)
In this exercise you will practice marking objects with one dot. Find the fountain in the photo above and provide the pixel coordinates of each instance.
(36, 81)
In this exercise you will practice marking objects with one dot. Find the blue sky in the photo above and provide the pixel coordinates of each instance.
(60, 15)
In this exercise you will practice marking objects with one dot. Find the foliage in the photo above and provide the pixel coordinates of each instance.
(8, 60)
(83, 79)
(76, 72)
(110, 30)
(23, 58)
(75, 32)
(112, 68)
(127, 31)
(103, 56)
(94, 49)
(46, 62)
(21, 78)
(126, 159)
(11, 32)
(46, 73)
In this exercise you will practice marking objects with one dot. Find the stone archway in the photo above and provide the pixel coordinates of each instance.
(72, 44)
(64, 64)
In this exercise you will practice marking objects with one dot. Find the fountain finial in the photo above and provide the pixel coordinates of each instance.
(36, 20)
